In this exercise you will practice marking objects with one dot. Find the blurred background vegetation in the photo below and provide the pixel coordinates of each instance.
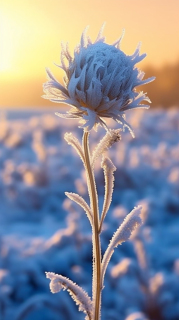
(164, 91)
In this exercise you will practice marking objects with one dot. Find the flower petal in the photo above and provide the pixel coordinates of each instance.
(100, 82)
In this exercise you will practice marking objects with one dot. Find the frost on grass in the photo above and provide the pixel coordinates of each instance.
(81, 298)
(20, 268)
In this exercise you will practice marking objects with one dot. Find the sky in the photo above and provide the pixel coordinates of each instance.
(31, 32)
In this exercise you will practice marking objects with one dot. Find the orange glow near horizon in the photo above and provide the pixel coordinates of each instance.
(31, 32)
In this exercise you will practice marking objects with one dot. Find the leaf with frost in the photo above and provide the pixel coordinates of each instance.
(74, 142)
(106, 142)
(81, 202)
(109, 169)
(81, 298)
(123, 233)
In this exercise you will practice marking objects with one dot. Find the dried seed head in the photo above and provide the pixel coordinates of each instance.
(100, 82)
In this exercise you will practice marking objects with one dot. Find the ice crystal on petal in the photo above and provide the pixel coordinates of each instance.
(100, 82)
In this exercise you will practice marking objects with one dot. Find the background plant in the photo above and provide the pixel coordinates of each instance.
(50, 232)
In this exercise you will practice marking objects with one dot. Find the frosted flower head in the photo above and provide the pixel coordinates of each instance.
(100, 82)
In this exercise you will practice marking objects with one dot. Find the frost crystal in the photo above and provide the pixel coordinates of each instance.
(109, 169)
(100, 82)
(105, 143)
(123, 233)
(81, 202)
(81, 298)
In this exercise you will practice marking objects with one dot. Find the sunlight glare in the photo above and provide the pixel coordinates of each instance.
(7, 43)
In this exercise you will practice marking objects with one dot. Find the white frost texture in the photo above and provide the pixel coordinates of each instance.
(123, 233)
(100, 82)
(42, 230)
(81, 298)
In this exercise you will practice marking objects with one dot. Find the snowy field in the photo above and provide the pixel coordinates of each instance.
(41, 230)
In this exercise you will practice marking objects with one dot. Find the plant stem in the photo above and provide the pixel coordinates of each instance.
(96, 238)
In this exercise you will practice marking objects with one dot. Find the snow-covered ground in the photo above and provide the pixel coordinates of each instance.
(41, 230)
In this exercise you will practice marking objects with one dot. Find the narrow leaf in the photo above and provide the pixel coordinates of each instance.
(108, 140)
(81, 202)
(73, 141)
(81, 298)
(109, 169)
(123, 233)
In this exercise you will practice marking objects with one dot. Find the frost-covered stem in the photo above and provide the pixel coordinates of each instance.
(96, 237)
